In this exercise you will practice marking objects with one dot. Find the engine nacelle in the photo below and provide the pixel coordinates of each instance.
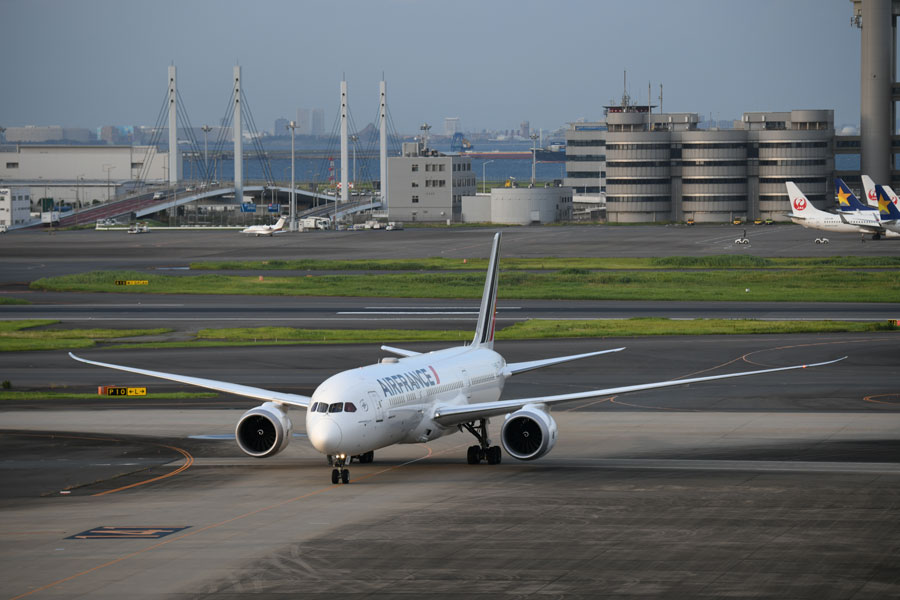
(263, 431)
(528, 433)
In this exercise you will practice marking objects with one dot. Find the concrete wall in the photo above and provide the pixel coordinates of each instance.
(476, 209)
(71, 162)
(519, 206)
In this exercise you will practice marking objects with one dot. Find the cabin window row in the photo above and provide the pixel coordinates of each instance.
(334, 407)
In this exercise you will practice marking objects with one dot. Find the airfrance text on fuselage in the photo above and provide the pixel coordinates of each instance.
(409, 381)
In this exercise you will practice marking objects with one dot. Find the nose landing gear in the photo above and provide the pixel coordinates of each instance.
(339, 474)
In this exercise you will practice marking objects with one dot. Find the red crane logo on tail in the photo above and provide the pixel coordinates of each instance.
(872, 195)
(800, 203)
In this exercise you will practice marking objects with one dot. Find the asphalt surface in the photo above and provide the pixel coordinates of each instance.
(29, 255)
(784, 485)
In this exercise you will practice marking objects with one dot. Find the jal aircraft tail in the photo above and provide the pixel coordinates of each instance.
(801, 208)
(847, 201)
(871, 194)
(887, 203)
(484, 332)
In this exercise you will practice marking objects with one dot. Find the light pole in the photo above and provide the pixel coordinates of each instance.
(292, 125)
(206, 129)
(354, 138)
(78, 179)
(533, 156)
(108, 168)
(483, 180)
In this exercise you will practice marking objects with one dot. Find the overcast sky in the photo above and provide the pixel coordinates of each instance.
(493, 63)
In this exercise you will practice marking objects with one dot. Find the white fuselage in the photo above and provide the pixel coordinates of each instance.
(394, 401)
(831, 222)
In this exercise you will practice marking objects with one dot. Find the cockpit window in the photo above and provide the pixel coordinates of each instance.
(349, 407)
(336, 407)
(313, 407)
(322, 407)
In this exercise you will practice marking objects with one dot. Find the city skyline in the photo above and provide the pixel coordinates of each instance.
(493, 65)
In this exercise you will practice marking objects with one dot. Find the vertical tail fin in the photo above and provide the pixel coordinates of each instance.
(484, 332)
(871, 194)
(886, 206)
(847, 201)
(801, 207)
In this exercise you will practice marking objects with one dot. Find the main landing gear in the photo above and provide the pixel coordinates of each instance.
(483, 450)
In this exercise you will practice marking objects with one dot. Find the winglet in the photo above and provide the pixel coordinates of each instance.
(484, 332)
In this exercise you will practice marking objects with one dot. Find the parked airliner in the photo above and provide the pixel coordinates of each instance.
(883, 221)
(415, 397)
(804, 213)
(259, 230)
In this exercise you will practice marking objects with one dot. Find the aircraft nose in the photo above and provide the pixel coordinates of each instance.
(325, 436)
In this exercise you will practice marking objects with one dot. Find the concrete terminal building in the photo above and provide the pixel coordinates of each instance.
(660, 167)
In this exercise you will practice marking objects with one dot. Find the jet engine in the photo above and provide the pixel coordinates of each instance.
(263, 431)
(528, 433)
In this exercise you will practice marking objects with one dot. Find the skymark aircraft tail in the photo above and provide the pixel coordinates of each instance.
(846, 199)
(886, 206)
(487, 316)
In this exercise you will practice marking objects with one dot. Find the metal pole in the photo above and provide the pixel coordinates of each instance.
(292, 126)
(483, 179)
(533, 156)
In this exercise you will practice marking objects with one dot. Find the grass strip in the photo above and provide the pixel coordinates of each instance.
(646, 326)
(331, 336)
(20, 336)
(541, 329)
(725, 261)
(15, 395)
(820, 285)
(5, 300)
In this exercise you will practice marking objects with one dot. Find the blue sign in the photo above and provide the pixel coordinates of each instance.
(126, 533)
(248, 207)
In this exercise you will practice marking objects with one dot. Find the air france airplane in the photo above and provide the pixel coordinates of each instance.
(415, 398)
(259, 230)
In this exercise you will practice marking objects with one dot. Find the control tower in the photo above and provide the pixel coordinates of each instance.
(879, 91)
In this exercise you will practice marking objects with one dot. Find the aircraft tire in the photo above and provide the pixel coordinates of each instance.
(494, 455)
(335, 476)
(345, 476)
(472, 455)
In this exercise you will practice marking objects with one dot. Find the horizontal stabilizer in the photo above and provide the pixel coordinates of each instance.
(211, 384)
(400, 351)
(521, 367)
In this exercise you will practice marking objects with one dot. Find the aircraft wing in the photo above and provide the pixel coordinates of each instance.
(400, 351)
(454, 415)
(212, 384)
(521, 367)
